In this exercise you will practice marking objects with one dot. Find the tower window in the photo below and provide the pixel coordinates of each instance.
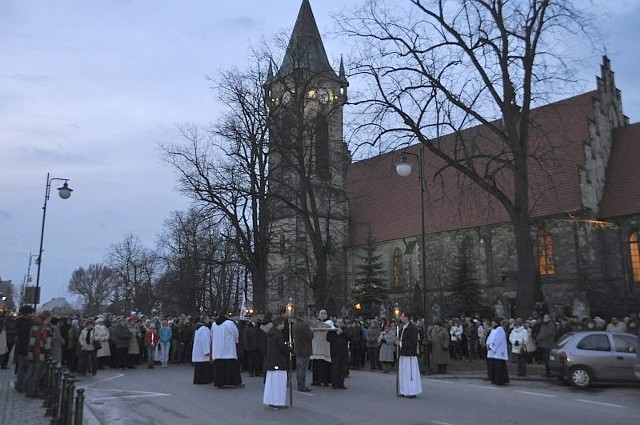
(322, 147)
(634, 250)
(546, 265)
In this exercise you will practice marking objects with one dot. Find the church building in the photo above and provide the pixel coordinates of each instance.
(330, 214)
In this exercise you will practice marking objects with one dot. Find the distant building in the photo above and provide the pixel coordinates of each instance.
(6, 295)
(57, 306)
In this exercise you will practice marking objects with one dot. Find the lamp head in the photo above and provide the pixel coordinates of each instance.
(403, 168)
(65, 191)
(290, 308)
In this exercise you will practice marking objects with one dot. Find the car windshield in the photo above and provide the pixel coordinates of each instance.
(563, 339)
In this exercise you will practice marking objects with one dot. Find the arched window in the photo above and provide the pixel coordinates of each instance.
(546, 265)
(397, 268)
(634, 250)
(322, 147)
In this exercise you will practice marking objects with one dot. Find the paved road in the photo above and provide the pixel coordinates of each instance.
(167, 396)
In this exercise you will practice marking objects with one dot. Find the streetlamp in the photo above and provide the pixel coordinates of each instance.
(397, 313)
(27, 292)
(404, 168)
(64, 192)
(290, 310)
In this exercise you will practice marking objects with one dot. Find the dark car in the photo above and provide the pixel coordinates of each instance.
(581, 358)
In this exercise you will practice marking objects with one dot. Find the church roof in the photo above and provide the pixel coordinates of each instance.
(305, 49)
(621, 196)
(388, 205)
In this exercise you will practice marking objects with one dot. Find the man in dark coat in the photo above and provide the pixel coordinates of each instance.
(544, 340)
(251, 344)
(23, 331)
(339, 347)
(302, 337)
(409, 380)
(121, 336)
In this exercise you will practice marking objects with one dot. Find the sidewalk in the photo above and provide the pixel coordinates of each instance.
(477, 369)
(16, 407)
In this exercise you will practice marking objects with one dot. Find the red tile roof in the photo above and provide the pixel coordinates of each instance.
(390, 205)
(622, 188)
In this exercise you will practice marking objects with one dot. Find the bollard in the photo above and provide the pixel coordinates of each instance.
(63, 397)
(48, 380)
(65, 382)
(55, 408)
(68, 404)
(77, 415)
(52, 410)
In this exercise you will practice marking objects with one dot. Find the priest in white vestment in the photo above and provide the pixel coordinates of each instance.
(201, 353)
(224, 337)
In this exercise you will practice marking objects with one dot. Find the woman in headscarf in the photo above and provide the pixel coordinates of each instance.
(387, 341)
(101, 334)
(87, 360)
(440, 346)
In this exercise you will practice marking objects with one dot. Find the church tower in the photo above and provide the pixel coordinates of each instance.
(308, 160)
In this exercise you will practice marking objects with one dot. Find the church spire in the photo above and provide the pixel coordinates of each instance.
(305, 49)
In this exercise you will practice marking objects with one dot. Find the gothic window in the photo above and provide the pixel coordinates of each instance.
(546, 265)
(634, 250)
(322, 147)
(280, 286)
(397, 268)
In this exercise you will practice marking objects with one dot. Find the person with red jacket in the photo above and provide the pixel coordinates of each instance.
(39, 347)
(151, 340)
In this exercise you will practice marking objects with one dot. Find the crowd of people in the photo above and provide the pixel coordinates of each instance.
(270, 346)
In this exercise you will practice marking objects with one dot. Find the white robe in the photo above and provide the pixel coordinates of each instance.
(201, 345)
(275, 388)
(3, 343)
(224, 338)
(497, 344)
(409, 380)
(320, 347)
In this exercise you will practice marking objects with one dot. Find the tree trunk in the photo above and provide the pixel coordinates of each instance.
(320, 282)
(520, 218)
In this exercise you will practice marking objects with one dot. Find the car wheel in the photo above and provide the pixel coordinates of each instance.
(580, 377)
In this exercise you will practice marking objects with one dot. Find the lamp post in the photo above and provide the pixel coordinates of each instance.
(396, 313)
(25, 295)
(64, 192)
(290, 309)
(404, 168)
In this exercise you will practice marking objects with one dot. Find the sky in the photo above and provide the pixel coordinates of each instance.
(89, 89)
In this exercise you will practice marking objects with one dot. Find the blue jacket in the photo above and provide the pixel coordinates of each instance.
(165, 334)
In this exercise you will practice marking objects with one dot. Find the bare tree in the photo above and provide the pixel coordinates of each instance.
(437, 67)
(95, 284)
(135, 268)
(202, 265)
(225, 170)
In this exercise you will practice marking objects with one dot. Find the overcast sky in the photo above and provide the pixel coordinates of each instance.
(88, 89)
